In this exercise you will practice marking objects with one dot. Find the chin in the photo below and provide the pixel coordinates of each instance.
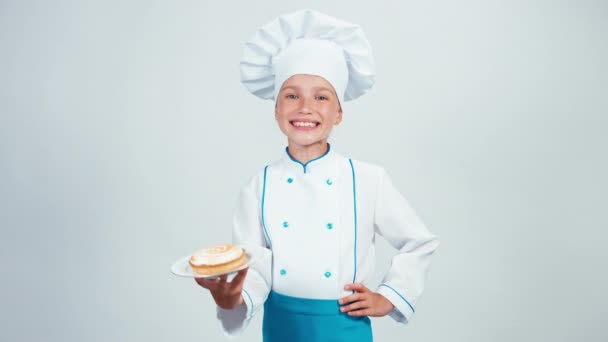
(307, 142)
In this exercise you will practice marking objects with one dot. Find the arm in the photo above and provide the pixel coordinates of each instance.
(397, 222)
(248, 232)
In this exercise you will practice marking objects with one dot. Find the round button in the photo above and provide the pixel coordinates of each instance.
(327, 274)
(289, 180)
(330, 226)
(285, 224)
(283, 272)
(329, 182)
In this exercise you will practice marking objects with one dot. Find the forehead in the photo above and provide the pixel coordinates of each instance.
(305, 81)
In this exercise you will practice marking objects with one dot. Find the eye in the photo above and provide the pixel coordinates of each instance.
(322, 98)
(291, 96)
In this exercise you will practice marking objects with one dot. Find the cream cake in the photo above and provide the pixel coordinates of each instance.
(218, 259)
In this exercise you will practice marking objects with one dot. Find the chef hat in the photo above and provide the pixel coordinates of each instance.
(308, 42)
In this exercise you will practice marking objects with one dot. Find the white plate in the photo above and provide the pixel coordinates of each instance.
(182, 267)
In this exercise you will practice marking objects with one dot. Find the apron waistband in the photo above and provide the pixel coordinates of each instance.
(304, 306)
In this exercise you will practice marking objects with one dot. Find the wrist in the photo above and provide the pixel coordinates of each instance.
(231, 303)
(387, 305)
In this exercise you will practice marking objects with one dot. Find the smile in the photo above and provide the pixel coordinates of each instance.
(304, 124)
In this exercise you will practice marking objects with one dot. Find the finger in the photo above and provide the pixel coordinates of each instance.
(207, 283)
(351, 298)
(355, 306)
(223, 278)
(356, 287)
(362, 312)
(206, 280)
(240, 277)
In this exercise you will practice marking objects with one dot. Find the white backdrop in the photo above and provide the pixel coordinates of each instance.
(125, 136)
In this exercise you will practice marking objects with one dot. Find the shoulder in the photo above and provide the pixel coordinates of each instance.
(366, 166)
(367, 177)
(364, 170)
(255, 183)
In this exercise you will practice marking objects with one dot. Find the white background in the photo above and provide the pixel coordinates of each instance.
(125, 135)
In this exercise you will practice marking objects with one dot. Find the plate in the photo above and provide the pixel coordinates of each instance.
(182, 267)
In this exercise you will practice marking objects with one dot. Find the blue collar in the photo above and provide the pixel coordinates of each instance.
(304, 166)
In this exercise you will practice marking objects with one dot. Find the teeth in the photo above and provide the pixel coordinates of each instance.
(304, 124)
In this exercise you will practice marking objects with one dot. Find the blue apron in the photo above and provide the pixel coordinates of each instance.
(296, 319)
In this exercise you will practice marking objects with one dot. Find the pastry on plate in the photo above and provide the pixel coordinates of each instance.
(218, 259)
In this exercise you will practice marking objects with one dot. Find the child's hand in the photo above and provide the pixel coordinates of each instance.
(226, 295)
(364, 302)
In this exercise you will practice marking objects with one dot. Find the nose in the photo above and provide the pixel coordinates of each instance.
(305, 106)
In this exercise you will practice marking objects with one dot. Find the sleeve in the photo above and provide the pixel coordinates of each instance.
(397, 222)
(248, 232)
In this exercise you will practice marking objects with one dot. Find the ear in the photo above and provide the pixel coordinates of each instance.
(339, 116)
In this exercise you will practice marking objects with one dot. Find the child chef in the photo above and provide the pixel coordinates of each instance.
(314, 212)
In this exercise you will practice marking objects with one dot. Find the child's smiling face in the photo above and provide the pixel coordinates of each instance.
(307, 108)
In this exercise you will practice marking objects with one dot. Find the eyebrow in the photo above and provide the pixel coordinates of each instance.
(315, 88)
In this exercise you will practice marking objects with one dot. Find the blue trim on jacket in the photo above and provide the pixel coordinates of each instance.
(399, 294)
(262, 208)
(250, 301)
(310, 161)
(355, 214)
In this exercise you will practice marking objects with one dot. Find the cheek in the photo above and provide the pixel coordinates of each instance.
(330, 115)
(282, 110)
(280, 114)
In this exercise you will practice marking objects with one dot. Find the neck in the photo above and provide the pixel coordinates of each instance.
(304, 154)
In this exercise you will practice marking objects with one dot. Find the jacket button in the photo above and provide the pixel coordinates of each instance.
(327, 274)
(283, 272)
(285, 224)
(289, 180)
(329, 182)
(330, 226)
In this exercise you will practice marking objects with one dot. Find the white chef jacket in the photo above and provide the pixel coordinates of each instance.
(315, 225)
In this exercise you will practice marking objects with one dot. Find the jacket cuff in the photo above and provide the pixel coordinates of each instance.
(403, 310)
(235, 320)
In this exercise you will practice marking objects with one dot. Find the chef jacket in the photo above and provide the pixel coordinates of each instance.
(315, 225)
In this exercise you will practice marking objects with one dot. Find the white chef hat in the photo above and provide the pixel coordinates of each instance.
(308, 42)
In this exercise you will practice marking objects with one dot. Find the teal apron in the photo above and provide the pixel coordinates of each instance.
(295, 319)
